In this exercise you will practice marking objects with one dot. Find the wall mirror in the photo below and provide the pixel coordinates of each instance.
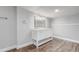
(40, 22)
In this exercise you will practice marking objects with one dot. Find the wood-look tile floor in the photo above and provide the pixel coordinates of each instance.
(55, 45)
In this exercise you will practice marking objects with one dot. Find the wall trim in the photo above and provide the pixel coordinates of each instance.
(24, 45)
(68, 39)
(17, 47)
(7, 48)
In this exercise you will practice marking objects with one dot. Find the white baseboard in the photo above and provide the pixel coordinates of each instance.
(17, 47)
(24, 45)
(63, 38)
(8, 48)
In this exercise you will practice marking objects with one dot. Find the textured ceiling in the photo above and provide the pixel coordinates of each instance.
(49, 11)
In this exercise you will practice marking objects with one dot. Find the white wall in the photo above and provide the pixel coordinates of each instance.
(7, 28)
(25, 21)
(24, 25)
(67, 27)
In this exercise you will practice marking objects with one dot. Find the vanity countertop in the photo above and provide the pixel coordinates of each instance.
(41, 29)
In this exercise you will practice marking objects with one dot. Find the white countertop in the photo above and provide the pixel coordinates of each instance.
(41, 29)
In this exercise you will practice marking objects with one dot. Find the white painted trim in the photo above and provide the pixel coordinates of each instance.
(24, 45)
(8, 48)
(45, 41)
(17, 47)
(63, 38)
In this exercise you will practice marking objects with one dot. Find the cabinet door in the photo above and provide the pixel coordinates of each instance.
(44, 34)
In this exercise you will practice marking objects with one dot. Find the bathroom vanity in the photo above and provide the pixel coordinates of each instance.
(41, 33)
(41, 36)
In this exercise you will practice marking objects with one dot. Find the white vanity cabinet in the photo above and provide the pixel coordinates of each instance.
(41, 33)
(41, 36)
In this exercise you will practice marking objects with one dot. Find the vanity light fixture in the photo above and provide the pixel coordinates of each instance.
(39, 17)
